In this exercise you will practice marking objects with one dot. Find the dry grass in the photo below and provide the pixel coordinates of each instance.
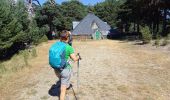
(44, 98)
(32, 92)
(16, 63)
(110, 70)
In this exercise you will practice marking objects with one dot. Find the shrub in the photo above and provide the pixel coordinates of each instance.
(34, 52)
(146, 34)
(43, 39)
(2, 68)
(157, 41)
(165, 41)
(25, 55)
(168, 36)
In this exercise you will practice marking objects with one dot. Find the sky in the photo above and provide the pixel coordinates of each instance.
(85, 2)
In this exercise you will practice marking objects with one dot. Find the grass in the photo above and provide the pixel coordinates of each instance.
(32, 92)
(165, 42)
(157, 43)
(44, 98)
(2, 68)
(123, 88)
(15, 64)
(25, 55)
(161, 42)
(34, 52)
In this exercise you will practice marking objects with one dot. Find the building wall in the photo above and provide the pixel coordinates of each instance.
(82, 37)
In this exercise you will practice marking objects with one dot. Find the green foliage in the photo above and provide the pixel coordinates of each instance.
(17, 62)
(145, 12)
(48, 18)
(43, 39)
(108, 11)
(161, 41)
(157, 41)
(34, 33)
(168, 36)
(25, 55)
(72, 11)
(34, 52)
(2, 68)
(10, 28)
(15, 28)
(146, 34)
(59, 17)
(165, 41)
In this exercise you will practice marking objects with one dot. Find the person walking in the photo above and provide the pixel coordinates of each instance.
(62, 68)
(70, 39)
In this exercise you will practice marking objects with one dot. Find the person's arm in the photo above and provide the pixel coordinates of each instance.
(74, 57)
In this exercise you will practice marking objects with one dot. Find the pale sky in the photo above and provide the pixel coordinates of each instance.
(85, 2)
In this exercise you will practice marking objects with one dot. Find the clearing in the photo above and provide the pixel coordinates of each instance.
(109, 70)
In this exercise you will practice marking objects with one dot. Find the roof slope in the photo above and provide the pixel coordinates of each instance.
(85, 26)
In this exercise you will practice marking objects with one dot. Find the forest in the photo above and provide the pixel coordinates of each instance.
(148, 19)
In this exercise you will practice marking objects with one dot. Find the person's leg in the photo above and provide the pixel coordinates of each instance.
(57, 73)
(63, 92)
(65, 82)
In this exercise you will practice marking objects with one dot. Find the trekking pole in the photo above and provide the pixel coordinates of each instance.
(74, 94)
(78, 65)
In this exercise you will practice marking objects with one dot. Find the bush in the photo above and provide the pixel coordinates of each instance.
(165, 41)
(34, 52)
(43, 39)
(16, 29)
(146, 34)
(25, 54)
(168, 36)
(157, 41)
(2, 68)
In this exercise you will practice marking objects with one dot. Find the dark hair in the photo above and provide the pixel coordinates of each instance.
(64, 35)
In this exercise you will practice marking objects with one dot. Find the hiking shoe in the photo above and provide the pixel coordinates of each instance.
(70, 86)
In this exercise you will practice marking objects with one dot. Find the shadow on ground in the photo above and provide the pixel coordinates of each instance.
(55, 90)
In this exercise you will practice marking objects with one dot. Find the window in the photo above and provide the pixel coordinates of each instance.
(94, 26)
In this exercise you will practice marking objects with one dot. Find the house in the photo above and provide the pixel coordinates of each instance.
(91, 27)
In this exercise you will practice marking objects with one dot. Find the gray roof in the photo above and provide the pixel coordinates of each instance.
(85, 26)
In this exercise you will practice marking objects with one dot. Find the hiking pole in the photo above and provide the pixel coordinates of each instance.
(74, 93)
(78, 65)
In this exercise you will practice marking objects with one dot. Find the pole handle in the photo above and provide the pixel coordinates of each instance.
(79, 56)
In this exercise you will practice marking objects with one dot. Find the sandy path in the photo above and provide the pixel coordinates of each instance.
(110, 70)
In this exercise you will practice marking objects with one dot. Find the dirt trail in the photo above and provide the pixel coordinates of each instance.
(110, 70)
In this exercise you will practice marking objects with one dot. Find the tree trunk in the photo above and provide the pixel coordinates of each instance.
(138, 28)
(157, 20)
(164, 22)
(134, 27)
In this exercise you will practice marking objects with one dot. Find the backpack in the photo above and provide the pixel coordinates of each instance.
(57, 55)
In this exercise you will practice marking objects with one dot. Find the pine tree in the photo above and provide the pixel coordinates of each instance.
(10, 28)
(15, 28)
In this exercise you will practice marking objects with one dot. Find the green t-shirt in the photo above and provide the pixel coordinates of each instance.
(69, 51)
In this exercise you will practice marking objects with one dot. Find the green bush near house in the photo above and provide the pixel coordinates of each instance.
(146, 34)
(168, 36)
(157, 41)
(165, 41)
(43, 39)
